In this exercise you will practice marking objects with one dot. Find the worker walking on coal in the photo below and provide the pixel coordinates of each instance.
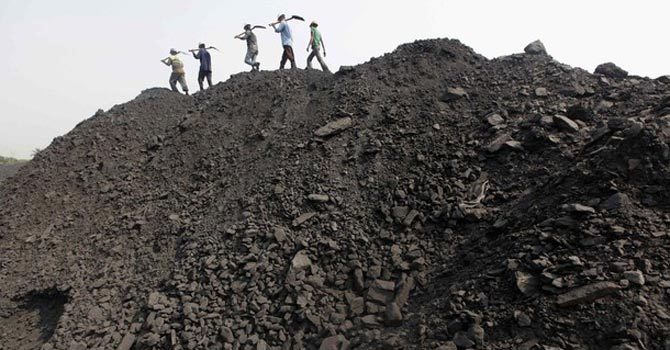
(315, 43)
(282, 27)
(252, 46)
(205, 58)
(178, 73)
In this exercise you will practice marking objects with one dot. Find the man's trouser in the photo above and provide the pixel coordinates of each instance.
(250, 59)
(178, 77)
(201, 77)
(316, 52)
(287, 55)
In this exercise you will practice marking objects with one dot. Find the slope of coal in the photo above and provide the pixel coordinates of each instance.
(7, 170)
(430, 198)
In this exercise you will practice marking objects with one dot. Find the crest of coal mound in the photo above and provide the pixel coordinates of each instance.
(429, 198)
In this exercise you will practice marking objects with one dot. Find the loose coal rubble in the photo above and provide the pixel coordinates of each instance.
(427, 199)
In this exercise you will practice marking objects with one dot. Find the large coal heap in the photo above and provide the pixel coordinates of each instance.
(427, 199)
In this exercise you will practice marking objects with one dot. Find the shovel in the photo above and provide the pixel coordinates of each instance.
(299, 18)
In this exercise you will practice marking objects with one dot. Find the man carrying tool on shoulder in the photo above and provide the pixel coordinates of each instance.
(178, 74)
(282, 27)
(252, 46)
(205, 65)
(315, 43)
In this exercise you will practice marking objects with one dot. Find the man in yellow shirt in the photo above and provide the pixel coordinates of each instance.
(178, 74)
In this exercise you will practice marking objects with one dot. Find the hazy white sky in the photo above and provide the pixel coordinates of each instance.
(62, 60)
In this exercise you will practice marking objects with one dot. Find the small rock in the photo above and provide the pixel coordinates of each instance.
(522, 319)
(336, 342)
(453, 94)
(300, 261)
(334, 127)
(541, 92)
(321, 198)
(566, 123)
(127, 342)
(409, 219)
(624, 347)
(616, 201)
(393, 315)
(587, 293)
(501, 141)
(370, 321)
(462, 341)
(526, 282)
(227, 335)
(447, 346)
(495, 119)
(578, 208)
(381, 291)
(302, 219)
(476, 333)
(635, 277)
(535, 48)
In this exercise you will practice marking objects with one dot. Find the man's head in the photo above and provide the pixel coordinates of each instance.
(314, 24)
(247, 27)
(201, 46)
(281, 18)
(173, 52)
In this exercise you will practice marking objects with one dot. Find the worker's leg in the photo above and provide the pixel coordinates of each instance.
(201, 79)
(182, 82)
(174, 77)
(310, 58)
(248, 59)
(209, 78)
(291, 56)
(256, 63)
(284, 57)
(319, 58)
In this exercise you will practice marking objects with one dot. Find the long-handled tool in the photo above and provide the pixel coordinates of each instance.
(239, 36)
(299, 18)
(207, 48)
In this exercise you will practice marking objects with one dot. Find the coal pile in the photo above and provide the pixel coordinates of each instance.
(428, 199)
(7, 170)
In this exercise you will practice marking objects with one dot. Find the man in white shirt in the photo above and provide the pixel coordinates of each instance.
(283, 28)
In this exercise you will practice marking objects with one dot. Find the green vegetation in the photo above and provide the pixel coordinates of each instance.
(7, 160)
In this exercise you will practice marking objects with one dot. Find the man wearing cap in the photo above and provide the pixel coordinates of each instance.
(205, 65)
(283, 28)
(252, 47)
(315, 43)
(178, 74)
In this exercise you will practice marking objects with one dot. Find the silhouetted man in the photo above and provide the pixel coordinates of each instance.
(205, 65)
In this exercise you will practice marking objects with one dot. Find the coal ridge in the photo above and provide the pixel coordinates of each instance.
(429, 198)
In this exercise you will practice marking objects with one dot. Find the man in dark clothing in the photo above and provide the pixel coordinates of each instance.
(205, 65)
